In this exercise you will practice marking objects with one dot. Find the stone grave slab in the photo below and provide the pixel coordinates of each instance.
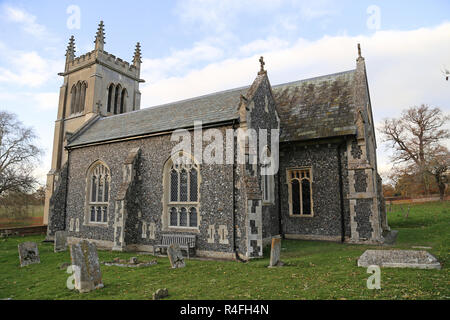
(60, 241)
(175, 256)
(85, 262)
(399, 259)
(28, 253)
(275, 253)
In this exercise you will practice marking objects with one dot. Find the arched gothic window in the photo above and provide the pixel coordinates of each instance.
(182, 195)
(123, 107)
(117, 99)
(110, 97)
(300, 192)
(99, 180)
(78, 97)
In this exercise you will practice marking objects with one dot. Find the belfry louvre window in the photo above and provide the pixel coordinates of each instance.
(183, 194)
(99, 182)
(300, 192)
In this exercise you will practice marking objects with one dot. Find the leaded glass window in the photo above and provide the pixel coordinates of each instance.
(183, 192)
(99, 193)
(300, 192)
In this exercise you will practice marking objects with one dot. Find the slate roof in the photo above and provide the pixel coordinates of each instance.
(316, 108)
(308, 109)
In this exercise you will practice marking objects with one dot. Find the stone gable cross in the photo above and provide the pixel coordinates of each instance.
(261, 61)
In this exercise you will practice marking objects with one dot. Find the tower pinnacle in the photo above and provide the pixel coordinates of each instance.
(137, 56)
(100, 37)
(70, 52)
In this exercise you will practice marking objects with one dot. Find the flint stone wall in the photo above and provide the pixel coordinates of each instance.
(323, 159)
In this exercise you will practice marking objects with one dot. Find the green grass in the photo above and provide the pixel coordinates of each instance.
(313, 270)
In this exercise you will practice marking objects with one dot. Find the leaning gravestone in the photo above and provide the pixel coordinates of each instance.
(28, 253)
(85, 262)
(275, 253)
(399, 259)
(175, 256)
(60, 241)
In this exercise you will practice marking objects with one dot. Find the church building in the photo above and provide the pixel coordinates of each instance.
(114, 180)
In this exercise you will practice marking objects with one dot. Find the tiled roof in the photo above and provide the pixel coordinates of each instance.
(308, 109)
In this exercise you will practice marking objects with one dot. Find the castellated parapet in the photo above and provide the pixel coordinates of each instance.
(107, 59)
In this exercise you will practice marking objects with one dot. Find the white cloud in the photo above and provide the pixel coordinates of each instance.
(26, 68)
(27, 20)
(221, 16)
(404, 69)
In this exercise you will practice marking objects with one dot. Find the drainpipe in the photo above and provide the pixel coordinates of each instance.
(341, 190)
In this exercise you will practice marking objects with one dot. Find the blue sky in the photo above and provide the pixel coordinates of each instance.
(197, 47)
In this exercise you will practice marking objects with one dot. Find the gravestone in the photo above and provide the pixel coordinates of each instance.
(60, 241)
(160, 293)
(399, 259)
(175, 256)
(28, 253)
(85, 262)
(275, 252)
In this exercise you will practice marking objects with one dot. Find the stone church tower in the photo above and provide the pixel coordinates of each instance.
(95, 84)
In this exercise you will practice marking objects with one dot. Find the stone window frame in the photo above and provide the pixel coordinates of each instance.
(78, 97)
(179, 205)
(267, 181)
(117, 99)
(289, 184)
(101, 167)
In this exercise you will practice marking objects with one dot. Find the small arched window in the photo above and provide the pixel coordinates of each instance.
(300, 192)
(117, 99)
(73, 94)
(82, 97)
(111, 92)
(182, 195)
(98, 193)
(123, 101)
(78, 97)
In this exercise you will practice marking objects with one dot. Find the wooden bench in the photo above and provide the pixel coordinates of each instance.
(186, 242)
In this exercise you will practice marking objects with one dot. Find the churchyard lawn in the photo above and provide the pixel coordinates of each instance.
(312, 270)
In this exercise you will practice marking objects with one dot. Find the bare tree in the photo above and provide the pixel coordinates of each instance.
(18, 155)
(416, 138)
(439, 167)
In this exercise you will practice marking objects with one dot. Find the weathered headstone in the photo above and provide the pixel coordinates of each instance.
(275, 253)
(28, 253)
(85, 262)
(399, 259)
(133, 260)
(175, 256)
(160, 293)
(60, 241)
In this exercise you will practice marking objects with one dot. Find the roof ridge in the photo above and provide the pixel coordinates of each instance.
(223, 92)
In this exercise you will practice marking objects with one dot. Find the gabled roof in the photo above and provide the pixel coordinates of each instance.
(308, 109)
(316, 108)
